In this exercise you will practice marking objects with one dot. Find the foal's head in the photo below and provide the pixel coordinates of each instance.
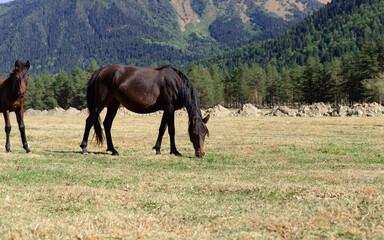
(197, 132)
(20, 76)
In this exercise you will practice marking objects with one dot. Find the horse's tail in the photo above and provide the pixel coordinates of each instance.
(91, 94)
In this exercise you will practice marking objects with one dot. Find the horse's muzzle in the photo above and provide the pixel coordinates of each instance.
(22, 94)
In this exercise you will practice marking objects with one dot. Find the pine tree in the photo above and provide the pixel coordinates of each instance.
(77, 88)
(218, 88)
(202, 81)
(62, 89)
(258, 84)
(41, 95)
(273, 84)
(296, 93)
(310, 80)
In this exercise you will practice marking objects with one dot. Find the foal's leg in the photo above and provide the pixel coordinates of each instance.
(20, 121)
(171, 131)
(7, 130)
(163, 127)
(93, 116)
(113, 106)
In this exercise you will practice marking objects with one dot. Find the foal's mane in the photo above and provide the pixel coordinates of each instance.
(12, 74)
(8, 80)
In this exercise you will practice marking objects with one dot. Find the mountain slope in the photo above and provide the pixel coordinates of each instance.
(338, 29)
(59, 34)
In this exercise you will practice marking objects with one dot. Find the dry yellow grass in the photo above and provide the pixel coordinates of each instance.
(262, 177)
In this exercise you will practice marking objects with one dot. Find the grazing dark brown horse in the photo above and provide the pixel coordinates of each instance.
(144, 90)
(12, 98)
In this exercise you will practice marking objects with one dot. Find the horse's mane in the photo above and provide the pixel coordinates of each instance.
(191, 100)
(188, 92)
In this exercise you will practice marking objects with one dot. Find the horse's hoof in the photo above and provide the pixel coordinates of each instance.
(158, 152)
(85, 152)
(29, 152)
(115, 154)
(176, 153)
(199, 155)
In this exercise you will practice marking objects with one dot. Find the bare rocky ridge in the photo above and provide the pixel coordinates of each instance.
(281, 8)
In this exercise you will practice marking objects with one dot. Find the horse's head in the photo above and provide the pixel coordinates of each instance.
(21, 76)
(197, 132)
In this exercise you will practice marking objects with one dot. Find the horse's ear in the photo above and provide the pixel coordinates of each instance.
(17, 65)
(27, 65)
(205, 120)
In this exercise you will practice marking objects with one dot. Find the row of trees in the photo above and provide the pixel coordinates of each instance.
(344, 80)
(47, 91)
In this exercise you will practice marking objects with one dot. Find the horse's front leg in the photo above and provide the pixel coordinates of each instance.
(7, 130)
(163, 127)
(20, 121)
(171, 131)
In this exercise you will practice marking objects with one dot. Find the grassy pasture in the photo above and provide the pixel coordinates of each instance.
(262, 177)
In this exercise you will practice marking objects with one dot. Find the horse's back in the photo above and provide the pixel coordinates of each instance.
(139, 89)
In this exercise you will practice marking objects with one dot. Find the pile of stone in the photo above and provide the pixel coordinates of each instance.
(282, 111)
(54, 112)
(359, 110)
(33, 112)
(325, 110)
(181, 112)
(315, 110)
(218, 110)
(122, 111)
(248, 110)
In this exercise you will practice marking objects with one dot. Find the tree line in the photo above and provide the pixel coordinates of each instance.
(47, 91)
(344, 80)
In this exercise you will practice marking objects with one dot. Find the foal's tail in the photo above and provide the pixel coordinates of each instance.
(91, 95)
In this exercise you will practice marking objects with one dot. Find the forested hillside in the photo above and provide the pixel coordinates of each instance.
(339, 28)
(335, 55)
(58, 35)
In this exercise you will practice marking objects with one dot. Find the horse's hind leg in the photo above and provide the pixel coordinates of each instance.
(91, 119)
(7, 130)
(113, 106)
(20, 121)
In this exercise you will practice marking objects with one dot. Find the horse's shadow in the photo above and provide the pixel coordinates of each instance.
(80, 152)
(98, 153)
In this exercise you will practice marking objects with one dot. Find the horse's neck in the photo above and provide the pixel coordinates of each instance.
(192, 105)
(7, 88)
(2, 80)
